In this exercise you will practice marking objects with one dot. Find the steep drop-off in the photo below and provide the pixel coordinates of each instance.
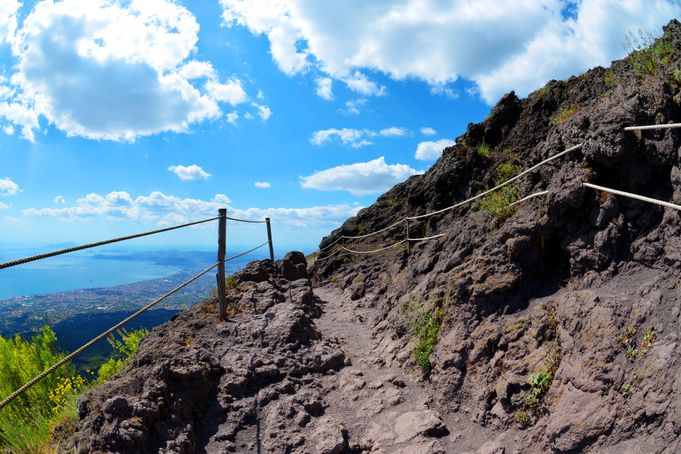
(559, 318)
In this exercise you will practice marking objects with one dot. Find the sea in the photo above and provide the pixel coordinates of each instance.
(84, 269)
(96, 269)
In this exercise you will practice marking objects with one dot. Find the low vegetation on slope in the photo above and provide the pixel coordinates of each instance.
(562, 311)
(27, 425)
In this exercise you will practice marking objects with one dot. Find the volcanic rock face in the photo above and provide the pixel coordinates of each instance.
(202, 385)
(560, 326)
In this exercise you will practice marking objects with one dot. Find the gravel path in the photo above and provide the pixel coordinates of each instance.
(384, 409)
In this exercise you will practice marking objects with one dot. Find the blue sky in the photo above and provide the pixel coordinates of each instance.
(119, 116)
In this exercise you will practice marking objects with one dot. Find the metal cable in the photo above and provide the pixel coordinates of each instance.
(250, 221)
(89, 344)
(374, 250)
(97, 244)
(247, 252)
(531, 196)
(647, 127)
(634, 196)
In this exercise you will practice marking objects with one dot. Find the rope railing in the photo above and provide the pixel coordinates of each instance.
(248, 221)
(529, 197)
(649, 127)
(443, 210)
(633, 196)
(247, 252)
(99, 243)
(220, 276)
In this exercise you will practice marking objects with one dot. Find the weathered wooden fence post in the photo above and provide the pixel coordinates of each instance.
(408, 242)
(269, 238)
(222, 241)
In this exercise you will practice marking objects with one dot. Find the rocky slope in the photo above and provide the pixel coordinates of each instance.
(559, 318)
(201, 385)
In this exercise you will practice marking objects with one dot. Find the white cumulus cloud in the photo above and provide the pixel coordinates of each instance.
(362, 178)
(188, 173)
(429, 151)
(59, 200)
(356, 138)
(164, 209)
(500, 45)
(427, 131)
(262, 184)
(110, 69)
(8, 187)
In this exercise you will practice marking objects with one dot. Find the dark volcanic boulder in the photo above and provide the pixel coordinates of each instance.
(294, 266)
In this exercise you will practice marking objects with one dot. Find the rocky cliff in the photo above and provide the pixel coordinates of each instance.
(557, 320)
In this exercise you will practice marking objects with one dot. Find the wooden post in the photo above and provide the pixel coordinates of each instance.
(222, 241)
(408, 242)
(269, 238)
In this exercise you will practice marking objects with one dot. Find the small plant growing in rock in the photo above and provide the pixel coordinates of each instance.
(565, 114)
(610, 79)
(676, 74)
(483, 149)
(424, 324)
(498, 203)
(648, 340)
(626, 389)
(231, 282)
(628, 335)
(522, 418)
(632, 352)
(358, 279)
(648, 55)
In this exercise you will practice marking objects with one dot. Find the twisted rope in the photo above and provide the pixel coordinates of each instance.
(97, 244)
(249, 221)
(247, 252)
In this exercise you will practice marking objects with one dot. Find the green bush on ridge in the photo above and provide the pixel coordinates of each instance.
(27, 423)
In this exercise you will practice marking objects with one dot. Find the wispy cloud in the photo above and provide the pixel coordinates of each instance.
(355, 138)
(262, 184)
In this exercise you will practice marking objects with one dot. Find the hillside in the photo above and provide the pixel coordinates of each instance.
(551, 326)
(578, 285)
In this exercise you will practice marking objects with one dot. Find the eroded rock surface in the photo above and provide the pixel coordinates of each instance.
(578, 286)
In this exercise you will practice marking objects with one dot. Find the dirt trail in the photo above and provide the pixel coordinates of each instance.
(384, 409)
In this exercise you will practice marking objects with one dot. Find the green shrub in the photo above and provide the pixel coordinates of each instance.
(647, 54)
(25, 423)
(610, 79)
(522, 418)
(498, 203)
(124, 350)
(565, 114)
(424, 324)
(231, 282)
(677, 75)
(483, 149)
(626, 389)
